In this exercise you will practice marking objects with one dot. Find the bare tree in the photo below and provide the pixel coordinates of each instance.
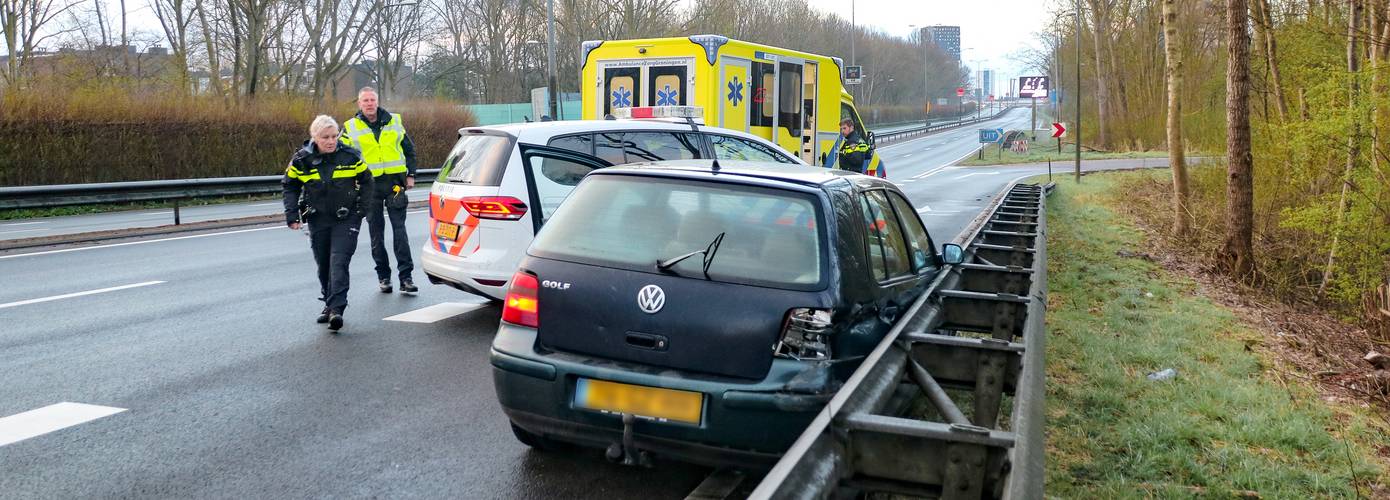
(1353, 139)
(1172, 51)
(336, 37)
(396, 36)
(1236, 254)
(176, 18)
(23, 24)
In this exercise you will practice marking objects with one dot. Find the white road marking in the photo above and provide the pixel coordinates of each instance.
(33, 423)
(24, 230)
(976, 173)
(419, 211)
(157, 214)
(113, 245)
(268, 204)
(925, 208)
(21, 224)
(77, 294)
(437, 312)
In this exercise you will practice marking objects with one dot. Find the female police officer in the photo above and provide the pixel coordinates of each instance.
(325, 186)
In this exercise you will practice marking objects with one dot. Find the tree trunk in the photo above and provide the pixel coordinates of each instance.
(1173, 61)
(1236, 255)
(1353, 141)
(1264, 26)
(1100, 32)
(214, 69)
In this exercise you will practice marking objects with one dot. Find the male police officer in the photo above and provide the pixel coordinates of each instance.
(853, 149)
(390, 154)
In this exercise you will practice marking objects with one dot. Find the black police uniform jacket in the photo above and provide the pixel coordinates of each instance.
(323, 187)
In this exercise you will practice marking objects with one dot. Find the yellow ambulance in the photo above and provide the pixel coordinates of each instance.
(788, 97)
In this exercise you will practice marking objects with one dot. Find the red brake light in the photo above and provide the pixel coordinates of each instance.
(494, 207)
(522, 306)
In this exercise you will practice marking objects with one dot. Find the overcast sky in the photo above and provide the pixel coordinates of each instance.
(993, 28)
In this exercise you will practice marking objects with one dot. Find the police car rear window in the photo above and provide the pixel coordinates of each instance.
(771, 237)
(477, 159)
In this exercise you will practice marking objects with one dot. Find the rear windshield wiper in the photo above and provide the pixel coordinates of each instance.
(708, 259)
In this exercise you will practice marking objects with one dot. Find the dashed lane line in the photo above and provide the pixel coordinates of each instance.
(77, 294)
(34, 423)
(437, 312)
(21, 224)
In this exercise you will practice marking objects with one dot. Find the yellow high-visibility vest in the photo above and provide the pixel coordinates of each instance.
(381, 154)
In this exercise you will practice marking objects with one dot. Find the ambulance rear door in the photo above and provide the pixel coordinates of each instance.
(625, 83)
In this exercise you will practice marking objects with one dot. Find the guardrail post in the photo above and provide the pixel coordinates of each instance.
(176, 211)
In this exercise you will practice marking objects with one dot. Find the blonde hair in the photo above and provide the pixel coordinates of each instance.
(322, 122)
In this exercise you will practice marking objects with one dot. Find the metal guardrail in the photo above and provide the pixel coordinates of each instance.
(979, 331)
(898, 135)
(124, 192)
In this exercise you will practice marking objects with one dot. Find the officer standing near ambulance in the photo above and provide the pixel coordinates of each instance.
(390, 155)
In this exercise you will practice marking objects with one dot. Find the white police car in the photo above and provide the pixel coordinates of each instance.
(500, 183)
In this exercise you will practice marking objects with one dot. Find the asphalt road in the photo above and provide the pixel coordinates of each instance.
(229, 389)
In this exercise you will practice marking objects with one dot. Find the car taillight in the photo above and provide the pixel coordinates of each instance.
(494, 207)
(805, 335)
(523, 306)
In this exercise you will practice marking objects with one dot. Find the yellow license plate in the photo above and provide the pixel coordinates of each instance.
(651, 402)
(447, 231)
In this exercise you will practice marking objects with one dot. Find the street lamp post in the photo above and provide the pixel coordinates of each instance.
(553, 100)
(1077, 98)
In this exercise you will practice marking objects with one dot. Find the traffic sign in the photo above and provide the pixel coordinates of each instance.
(854, 75)
(988, 135)
(960, 91)
(1059, 129)
(1033, 86)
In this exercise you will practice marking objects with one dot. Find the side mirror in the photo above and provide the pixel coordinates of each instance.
(952, 253)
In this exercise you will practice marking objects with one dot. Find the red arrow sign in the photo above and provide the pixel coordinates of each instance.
(1059, 129)
(960, 91)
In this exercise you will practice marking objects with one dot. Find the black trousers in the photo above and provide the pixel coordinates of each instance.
(400, 243)
(334, 242)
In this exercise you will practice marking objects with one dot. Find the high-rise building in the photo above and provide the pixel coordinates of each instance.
(946, 37)
(987, 82)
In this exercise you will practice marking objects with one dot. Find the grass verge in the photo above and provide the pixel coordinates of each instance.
(1224, 427)
(1044, 148)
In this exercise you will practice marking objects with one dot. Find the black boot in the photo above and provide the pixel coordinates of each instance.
(323, 316)
(335, 321)
(408, 286)
(384, 285)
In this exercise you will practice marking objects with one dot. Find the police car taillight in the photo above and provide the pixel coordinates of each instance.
(494, 207)
(523, 306)
(660, 112)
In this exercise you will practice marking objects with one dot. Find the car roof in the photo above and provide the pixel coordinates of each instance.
(538, 132)
(750, 172)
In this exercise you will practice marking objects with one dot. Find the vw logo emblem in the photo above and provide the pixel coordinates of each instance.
(651, 299)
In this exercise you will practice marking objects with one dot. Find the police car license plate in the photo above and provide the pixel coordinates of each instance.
(447, 231)
(651, 402)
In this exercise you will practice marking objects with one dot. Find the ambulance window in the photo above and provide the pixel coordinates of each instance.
(658, 146)
(623, 88)
(789, 100)
(609, 147)
(577, 143)
(760, 113)
(667, 84)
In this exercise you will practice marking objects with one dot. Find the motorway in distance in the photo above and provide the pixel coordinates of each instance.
(211, 379)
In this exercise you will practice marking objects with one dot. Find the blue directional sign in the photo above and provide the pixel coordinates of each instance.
(991, 135)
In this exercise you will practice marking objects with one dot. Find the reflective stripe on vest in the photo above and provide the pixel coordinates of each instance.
(383, 155)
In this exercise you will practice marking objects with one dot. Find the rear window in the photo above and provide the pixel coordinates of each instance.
(477, 159)
(771, 237)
